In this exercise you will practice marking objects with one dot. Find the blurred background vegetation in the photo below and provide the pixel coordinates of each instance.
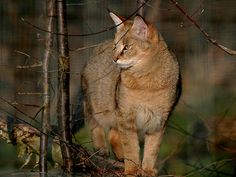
(201, 135)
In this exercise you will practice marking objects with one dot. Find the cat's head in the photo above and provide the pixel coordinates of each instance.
(134, 41)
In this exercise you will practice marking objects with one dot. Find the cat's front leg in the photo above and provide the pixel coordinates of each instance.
(129, 138)
(151, 150)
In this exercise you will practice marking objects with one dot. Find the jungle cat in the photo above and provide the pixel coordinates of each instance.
(130, 88)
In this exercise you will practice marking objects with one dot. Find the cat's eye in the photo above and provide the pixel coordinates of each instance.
(126, 47)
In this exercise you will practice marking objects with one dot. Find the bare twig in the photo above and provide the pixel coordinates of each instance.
(206, 167)
(23, 113)
(24, 104)
(85, 34)
(52, 133)
(29, 93)
(84, 48)
(83, 3)
(208, 37)
(37, 113)
(23, 53)
(30, 66)
(36, 64)
(140, 3)
(197, 12)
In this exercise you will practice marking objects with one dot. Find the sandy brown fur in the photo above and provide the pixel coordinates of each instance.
(134, 100)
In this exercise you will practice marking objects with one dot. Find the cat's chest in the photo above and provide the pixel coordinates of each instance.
(148, 82)
(138, 96)
(148, 120)
(145, 108)
(129, 97)
(130, 81)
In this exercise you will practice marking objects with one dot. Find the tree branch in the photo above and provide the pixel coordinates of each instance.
(208, 37)
(85, 34)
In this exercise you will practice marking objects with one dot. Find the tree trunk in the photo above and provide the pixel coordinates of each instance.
(64, 86)
(46, 105)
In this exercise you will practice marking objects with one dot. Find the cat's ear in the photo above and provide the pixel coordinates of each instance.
(140, 28)
(117, 20)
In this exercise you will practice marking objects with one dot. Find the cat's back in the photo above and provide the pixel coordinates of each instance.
(100, 76)
(99, 61)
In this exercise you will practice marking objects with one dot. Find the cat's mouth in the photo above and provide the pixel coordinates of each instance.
(125, 64)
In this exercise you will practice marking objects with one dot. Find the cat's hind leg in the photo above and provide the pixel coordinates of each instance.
(115, 141)
(99, 139)
(96, 130)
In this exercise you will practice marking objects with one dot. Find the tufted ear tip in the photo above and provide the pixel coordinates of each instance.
(118, 21)
(139, 16)
(108, 10)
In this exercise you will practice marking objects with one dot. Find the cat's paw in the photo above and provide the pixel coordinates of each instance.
(149, 172)
(133, 172)
(119, 155)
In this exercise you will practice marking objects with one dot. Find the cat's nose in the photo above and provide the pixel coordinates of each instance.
(115, 58)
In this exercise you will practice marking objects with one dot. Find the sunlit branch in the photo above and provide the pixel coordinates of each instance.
(208, 37)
